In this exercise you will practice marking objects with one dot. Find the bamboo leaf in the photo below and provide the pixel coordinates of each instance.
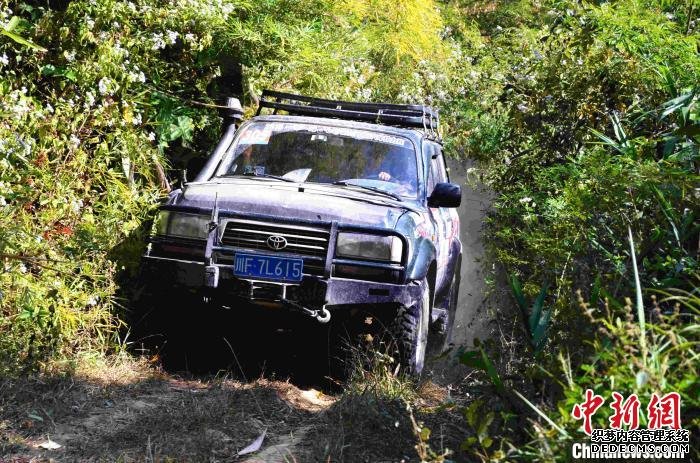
(517, 291)
(537, 308)
(7, 31)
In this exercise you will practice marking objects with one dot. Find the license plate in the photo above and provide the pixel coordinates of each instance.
(267, 267)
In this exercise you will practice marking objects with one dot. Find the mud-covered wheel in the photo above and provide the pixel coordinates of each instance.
(410, 331)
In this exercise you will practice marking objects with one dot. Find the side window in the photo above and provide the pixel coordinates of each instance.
(438, 165)
(430, 151)
(437, 172)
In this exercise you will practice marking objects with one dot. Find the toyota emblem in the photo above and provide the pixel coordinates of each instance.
(276, 242)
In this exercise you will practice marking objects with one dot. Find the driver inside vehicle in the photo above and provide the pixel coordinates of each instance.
(393, 167)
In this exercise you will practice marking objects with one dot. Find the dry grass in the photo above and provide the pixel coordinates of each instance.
(126, 409)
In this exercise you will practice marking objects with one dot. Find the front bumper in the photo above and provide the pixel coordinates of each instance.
(314, 291)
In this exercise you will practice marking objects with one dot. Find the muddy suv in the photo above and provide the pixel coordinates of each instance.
(327, 208)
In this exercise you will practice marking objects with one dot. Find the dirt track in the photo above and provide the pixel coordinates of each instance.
(472, 319)
(131, 412)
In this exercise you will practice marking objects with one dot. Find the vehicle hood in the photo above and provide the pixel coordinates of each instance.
(312, 202)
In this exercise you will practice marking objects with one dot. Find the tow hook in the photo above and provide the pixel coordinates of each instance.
(321, 315)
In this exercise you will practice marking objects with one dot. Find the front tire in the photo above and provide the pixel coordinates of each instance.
(410, 332)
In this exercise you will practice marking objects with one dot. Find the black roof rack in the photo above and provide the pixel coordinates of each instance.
(400, 115)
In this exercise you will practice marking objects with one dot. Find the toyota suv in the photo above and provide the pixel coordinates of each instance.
(320, 208)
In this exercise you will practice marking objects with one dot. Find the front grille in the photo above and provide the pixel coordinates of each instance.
(309, 243)
(301, 240)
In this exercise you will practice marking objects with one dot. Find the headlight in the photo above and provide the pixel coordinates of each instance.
(185, 225)
(366, 246)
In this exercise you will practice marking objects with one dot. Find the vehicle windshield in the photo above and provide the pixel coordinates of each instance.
(303, 152)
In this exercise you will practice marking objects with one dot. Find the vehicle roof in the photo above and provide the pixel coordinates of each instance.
(414, 134)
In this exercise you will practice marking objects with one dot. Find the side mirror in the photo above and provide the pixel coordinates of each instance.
(445, 195)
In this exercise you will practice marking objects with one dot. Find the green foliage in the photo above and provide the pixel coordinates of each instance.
(479, 417)
(586, 127)
(536, 317)
(584, 120)
(620, 364)
(480, 360)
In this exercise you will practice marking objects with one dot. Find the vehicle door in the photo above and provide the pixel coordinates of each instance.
(441, 218)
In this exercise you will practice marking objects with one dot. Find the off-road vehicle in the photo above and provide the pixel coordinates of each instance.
(321, 208)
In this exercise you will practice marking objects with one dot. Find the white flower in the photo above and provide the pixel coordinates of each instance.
(471, 170)
(137, 119)
(22, 268)
(499, 28)
(137, 76)
(158, 42)
(75, 141)
(104, 86)
(190, 37)
(670, 16)
(76, 205)
(118, 50)
(92, 301)
(69, 55)
(49, 108)
(522, 108)
(90, 23)
(151, 136)
(526, 199)
(172, 36)
(89, 99)
(4, 60)
(3, 202)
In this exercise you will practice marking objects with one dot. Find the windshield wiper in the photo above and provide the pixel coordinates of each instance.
(276, 177)
(370, 188)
